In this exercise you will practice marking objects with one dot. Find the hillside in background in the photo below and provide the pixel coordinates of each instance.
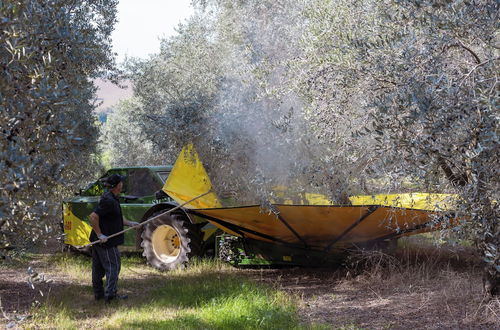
(109, 94)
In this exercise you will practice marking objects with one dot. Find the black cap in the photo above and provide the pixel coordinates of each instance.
(114, 179)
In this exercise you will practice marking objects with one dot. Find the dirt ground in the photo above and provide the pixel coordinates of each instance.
(442, 292)
(364, 302)
(16, 295)
(434, 288)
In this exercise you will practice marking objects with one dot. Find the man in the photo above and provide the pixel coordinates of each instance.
(107, 220)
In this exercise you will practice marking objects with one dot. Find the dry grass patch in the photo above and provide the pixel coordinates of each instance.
(415, 287)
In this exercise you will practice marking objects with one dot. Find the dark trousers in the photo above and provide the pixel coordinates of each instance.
(105, 261)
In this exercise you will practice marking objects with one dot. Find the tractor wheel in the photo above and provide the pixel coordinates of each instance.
(170, 241)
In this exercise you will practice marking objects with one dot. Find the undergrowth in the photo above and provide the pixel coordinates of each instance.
(452, 275)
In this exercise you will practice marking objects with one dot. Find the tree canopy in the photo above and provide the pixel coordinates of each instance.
(340, 97)
(50, 52)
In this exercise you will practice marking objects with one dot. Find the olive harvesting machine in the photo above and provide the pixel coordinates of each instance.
(312, 232)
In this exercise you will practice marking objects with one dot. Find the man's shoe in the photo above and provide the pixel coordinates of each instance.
(107, 299)
(98, 296)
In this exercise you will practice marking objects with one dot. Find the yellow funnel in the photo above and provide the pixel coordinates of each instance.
(188, 178)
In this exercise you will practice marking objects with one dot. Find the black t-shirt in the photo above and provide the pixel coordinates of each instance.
(110, 219)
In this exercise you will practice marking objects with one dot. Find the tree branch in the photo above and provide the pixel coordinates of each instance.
(461, 44)
(457, 180)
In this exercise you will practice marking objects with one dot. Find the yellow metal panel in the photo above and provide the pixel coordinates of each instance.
(385, 221)
(250, 218)
(317, 199)
(77, 232)
(314, 217)
(320, 225)
(189, 179)
(315, 224)
(421, 201)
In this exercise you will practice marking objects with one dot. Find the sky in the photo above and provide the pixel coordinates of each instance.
(141, 24)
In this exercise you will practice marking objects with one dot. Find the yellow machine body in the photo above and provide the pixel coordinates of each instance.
(318, 223)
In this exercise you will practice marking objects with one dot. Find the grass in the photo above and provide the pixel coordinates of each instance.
(208, 295)
(418, 285)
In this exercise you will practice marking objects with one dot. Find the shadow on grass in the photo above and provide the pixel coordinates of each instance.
(189, 322)
(256, 319)
(209, 299)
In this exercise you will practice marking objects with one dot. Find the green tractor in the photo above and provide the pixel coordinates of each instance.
(167, 242)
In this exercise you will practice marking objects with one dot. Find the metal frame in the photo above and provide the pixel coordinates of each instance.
(370, 211)
(242, 230)
(238, 229)
(402, 232)
(277, 213)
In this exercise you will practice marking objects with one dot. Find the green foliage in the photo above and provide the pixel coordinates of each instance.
(427, 73)
(219, 84)
(123, 141)
(49, 53)
(177, 87)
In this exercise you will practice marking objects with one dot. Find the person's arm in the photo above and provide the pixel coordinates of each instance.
(94, 222)
(130, 223)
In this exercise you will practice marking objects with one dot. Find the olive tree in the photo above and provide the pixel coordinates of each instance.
(355, 96)
(223, 84)
(426, 73)
(440, 105)
(50, 52)
(176, 87)
(123, 140)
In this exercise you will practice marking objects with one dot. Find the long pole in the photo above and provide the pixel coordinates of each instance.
(145, 222)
